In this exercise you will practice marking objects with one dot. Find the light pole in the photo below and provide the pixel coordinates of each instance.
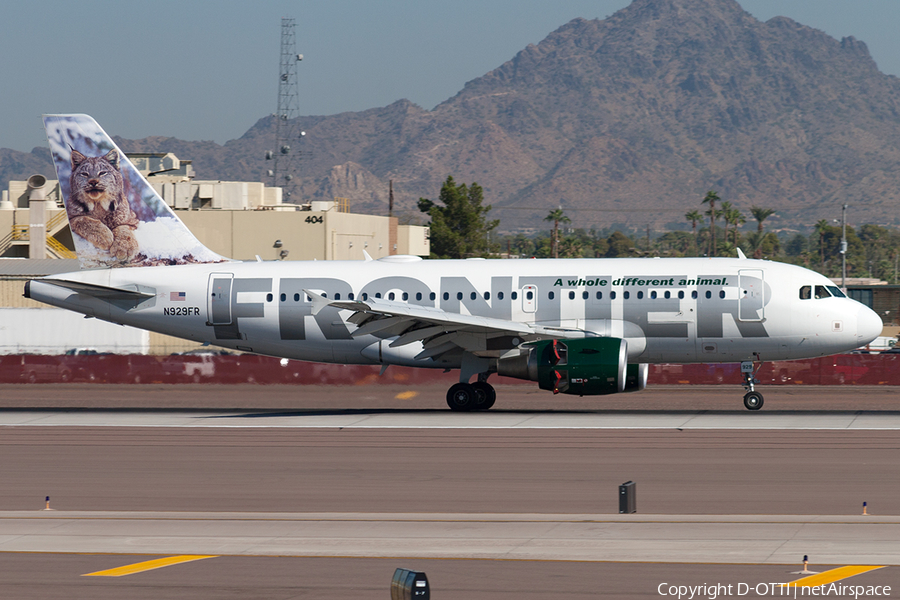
(844, 248)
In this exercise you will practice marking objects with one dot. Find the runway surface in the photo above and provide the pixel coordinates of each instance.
(311, 501)
(433, 397)
(427, 419)
(546, 537)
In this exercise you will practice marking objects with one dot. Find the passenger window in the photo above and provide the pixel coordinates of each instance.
(708, 294)
(365, 296)
(431, 296)
(668, 294)
(821, 292)
(446, 295)
(283, 297)
(653, 295)
(337, 295)
(268, 297)
(571, 295)
(418, 295)
(805, 292)
(487, 295)
(350, 296)
(693, 295)
(390, 296)
(600, 296)
(550, 295)
(640, 295)
(530, 295)
(626, 295)
(612, 295)
(459, 295)
(721, 293)
(585, 295)
(473, 295)
(514, 295)
(405, 296)
(499, 295)
(378, 294)
(296, 297)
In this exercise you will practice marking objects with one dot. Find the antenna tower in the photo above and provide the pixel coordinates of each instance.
(287, 136)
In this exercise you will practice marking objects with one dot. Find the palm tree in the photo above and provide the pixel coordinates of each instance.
(557, 216)
(711, 198)
(694, 217)
(760, 214)
(821, 227)
(737, 219)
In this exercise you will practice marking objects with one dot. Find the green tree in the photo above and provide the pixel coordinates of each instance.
(459, 228)
(557, 216)
(711, 198)
(734, 217)
(760, 214)
(821, 228)
(694, 216)
(619, 245)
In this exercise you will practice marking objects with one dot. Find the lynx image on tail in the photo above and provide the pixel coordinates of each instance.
(99, 211)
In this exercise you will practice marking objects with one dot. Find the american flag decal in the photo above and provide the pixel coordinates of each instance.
(176, 296)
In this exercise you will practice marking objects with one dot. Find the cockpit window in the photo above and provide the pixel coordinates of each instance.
(805, 292)
(821, 292)
(836, 291)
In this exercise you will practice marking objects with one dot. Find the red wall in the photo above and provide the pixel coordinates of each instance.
(855, 369)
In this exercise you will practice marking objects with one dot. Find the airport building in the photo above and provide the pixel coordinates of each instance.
(238, 219)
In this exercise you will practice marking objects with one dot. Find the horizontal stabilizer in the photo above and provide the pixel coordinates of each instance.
(100, 291)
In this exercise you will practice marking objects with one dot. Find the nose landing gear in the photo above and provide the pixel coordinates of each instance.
(753, 400)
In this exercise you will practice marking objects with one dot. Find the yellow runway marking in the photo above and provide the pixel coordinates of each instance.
(148, 565)
(831, 576)
(406, 395)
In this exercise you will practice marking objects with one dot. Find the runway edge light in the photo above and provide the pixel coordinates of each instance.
(47, 506)
(865, 504)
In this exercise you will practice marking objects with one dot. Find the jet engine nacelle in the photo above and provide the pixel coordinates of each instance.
(584, 367)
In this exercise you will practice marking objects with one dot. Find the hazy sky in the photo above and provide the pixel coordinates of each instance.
(208, 70)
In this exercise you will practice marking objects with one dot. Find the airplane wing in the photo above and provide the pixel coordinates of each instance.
(438, 330)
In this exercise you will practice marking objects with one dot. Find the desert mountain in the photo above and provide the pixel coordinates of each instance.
(626, 119)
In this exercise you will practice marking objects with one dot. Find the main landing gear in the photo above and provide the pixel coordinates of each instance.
(479, 395)
(753, 400)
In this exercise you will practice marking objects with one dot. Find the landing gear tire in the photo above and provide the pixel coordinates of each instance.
(462, 397)
(753, 400)
(485, 395)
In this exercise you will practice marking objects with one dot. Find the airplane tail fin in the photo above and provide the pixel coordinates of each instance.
(117, 219)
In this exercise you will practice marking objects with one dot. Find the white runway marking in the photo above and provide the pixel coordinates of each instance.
(794, 420)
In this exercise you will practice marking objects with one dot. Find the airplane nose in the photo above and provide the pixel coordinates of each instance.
(868, 325)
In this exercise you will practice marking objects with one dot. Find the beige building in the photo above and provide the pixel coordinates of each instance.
(237, 219)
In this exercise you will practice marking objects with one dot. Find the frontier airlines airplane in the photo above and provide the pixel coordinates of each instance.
(581, 326)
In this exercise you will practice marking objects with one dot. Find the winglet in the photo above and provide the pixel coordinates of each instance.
(319, 301)
(741, 254)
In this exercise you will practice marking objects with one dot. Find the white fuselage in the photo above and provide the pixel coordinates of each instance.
(668, 310)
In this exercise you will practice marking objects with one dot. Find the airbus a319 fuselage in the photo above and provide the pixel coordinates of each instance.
(578, 326)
